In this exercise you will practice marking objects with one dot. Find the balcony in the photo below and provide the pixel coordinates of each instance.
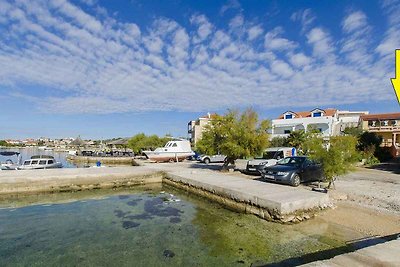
(384, 128)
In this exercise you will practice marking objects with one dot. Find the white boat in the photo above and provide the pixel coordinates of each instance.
(9, 164)
(174, 150)
(72, 152)
(40, 162)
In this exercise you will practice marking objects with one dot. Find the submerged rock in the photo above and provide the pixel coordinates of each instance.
(143, 216)
(133, 202)
(175, 220)
(129, 224)
(123, 196)
(120, 213)
(155, 207)
(168, 253)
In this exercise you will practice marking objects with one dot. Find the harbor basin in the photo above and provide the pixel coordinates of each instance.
(152, 226)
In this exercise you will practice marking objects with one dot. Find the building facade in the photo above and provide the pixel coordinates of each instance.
(196, 127)
(329, 122)
(387, 126)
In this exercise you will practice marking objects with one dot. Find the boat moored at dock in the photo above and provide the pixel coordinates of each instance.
(40, 162)
(9, 164)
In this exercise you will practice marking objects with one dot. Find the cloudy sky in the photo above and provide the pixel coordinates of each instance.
(114, 68)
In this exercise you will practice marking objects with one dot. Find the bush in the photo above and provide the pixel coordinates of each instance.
(336, 155)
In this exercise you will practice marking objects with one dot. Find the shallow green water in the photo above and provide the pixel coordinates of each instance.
(150, 227)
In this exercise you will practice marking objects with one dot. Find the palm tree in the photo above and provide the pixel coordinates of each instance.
(296, 139)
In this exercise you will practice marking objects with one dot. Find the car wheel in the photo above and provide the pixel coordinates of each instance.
(207, 161)
(295, 180)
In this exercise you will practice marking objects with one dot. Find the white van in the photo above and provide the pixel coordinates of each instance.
(270, 157)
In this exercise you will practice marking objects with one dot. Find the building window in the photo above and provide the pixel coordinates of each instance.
(289, 116)
(317, 114)
(286, 131)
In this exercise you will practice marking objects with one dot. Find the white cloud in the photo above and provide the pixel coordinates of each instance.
(204, 27)
(86, 62)
(231, 4)
(254, 32)
(354, 21)
(274, 42)
(281, 68)
(355, 45)
(299, 60)
(391, 40)
(237, 21)
(305, 17)
(321, 41)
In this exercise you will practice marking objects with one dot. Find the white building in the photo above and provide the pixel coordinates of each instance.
(329, 122)
(196, 128)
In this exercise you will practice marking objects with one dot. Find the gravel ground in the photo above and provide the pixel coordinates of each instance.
(375, 189)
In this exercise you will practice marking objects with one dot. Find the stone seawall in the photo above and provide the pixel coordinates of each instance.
(64, 180)
(104, 160)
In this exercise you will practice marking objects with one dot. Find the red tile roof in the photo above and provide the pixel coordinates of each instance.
(304, 114)
(381, 116)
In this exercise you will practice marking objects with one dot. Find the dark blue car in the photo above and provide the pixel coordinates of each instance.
(293, 171)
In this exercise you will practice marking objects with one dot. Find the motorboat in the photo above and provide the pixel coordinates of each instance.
(174, 150)
(45, 148)
(72, 152)
(40, 162)
(9, 164)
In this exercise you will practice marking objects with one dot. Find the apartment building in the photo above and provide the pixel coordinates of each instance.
(329, 121)
(196, 127)
(387, 126)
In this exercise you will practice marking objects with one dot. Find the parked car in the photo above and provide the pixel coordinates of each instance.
(293, 171)
(212, 159)
(270, 157)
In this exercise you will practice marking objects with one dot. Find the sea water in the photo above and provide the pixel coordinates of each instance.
(156, 226)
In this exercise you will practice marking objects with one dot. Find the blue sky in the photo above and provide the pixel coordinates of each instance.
(103, 69)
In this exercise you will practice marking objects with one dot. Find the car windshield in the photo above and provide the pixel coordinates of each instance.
(291, 161)
(267, 155)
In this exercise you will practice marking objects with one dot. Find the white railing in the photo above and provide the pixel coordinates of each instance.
(384, 128)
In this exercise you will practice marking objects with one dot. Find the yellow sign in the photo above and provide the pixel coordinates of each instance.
(396, 79)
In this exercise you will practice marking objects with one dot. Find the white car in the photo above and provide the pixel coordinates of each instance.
(212, 159)
(269, 158)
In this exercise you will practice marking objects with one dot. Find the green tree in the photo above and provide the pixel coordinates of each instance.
(279, 142)
(368, 139)
(141, 142)
(4, 143)
(235, 135)
(296, 139)
(353, 131)
(337, 155)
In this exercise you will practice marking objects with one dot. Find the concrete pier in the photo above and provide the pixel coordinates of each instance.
(104, 160)
(269, 201)
(266, 200)
(384, 254)
(62, 180)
